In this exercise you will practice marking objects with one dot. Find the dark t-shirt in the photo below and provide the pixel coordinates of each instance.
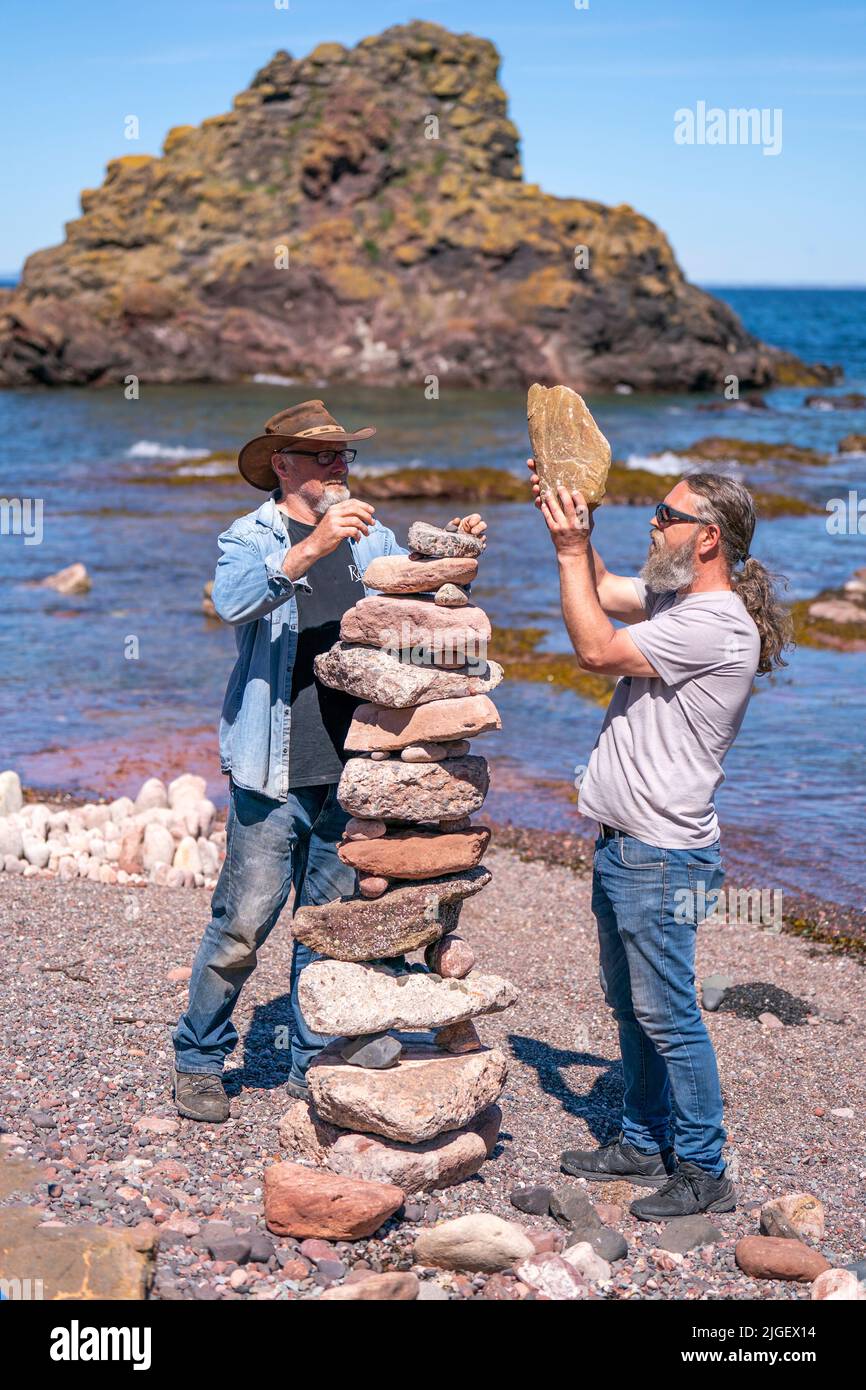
(320, 716)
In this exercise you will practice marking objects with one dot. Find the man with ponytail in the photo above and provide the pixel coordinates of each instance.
(702, 621)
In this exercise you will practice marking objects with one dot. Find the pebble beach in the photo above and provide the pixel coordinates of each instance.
(95, 978)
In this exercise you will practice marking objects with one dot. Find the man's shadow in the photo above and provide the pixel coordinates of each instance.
(267, 1048)
(600, 1107)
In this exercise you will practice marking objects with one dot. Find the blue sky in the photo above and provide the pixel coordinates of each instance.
(593, 92)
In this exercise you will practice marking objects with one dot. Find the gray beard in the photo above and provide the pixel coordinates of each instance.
(333, 493)
(666, 570)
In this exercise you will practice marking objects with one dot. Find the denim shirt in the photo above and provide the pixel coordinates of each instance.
(253, 594)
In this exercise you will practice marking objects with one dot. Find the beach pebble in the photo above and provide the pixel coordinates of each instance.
(450, 596)
(11, 841)
(359, 829)
(187, 857)
(158, 846)
(434, 752)
(372, 885)
(11, 797)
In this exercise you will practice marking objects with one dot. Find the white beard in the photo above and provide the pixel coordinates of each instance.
(665, 570)
(331, 495)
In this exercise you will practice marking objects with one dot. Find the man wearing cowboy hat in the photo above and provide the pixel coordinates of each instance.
(287, 574)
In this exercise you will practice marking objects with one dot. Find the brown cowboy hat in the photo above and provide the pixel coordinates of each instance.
(304, 424)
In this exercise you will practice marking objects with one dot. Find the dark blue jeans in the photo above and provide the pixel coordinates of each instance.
(270, 846)
(646, 902)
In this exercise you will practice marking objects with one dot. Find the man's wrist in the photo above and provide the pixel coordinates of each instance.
(298, 558)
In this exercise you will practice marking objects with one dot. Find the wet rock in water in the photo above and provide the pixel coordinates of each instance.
(438, 542)
(376, 1051)
(372, 885)
(425, 1095)
(405, 919)
(74, 579)
(853, 444)
(567, 445)
(414, 854)
(533, 1201)
(342, 999)
(451, 957)
(687, 1233)
(394, 1287)
(380, 727)
(771, 1257)
(459, 1038)
(480, 1241)
(377, 676)
(713, 991)
(11, 796)
(303, 1202)
(415, 574)
(81, 1261)
(450, 596)
(798, 1214)
(434, 752)
(414, 791)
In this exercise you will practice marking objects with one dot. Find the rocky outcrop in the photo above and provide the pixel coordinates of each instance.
(377, 192)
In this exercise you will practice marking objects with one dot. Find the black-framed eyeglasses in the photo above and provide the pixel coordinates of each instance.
(327, 456)
(665, 514)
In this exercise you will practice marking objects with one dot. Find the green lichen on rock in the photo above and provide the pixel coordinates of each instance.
(402, 143)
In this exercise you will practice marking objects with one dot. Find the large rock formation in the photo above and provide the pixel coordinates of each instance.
(361, 214)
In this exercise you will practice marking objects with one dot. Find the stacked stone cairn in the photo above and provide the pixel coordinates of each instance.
(405, 1094)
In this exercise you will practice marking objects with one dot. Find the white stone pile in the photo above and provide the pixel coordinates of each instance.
(167, 836)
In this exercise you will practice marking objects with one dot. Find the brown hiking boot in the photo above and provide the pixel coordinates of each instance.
(201, 1096)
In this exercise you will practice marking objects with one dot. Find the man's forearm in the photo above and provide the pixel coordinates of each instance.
(587, 624)
(298, 559)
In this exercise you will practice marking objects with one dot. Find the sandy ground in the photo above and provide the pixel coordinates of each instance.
(82, 959)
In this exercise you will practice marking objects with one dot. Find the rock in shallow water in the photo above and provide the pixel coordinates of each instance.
(342, 999)
(413, 854)
(415, 574)
(380, 727)
(377, 676)
(404, 919)
(414, 791)
(435, 541)
(426, 1094)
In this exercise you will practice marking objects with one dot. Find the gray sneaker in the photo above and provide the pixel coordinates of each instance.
(201, 1096)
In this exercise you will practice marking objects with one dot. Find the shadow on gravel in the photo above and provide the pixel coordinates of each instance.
(266, 1064)
(600, 1107)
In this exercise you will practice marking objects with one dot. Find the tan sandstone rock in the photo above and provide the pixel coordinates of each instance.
(567, 445)
(425, 1095)
(414, 854)
(395, 790)
(380, 727)
(376, 675)
(344, 999)
(415, 574)
(479, 1241)
(303, 1202)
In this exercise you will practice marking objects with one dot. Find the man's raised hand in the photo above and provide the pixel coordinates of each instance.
(349, 520)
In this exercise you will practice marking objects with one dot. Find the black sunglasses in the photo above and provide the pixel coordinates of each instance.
(665, 514)
(327, 456)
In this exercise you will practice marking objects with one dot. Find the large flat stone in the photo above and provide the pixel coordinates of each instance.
(436, 1163)
(340, 998)
(403, 919)
(425, 1095)
(567, 445)
(416, 574)
(302, 1202)
(372, 674)
(377, 728)
(414, 854)
(82, 1261)
(399, 623)
(402, 791)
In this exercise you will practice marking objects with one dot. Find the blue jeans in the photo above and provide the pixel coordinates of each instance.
(647, 903)
(270, 846)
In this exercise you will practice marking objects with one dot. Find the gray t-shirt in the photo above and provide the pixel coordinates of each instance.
(657, 764)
